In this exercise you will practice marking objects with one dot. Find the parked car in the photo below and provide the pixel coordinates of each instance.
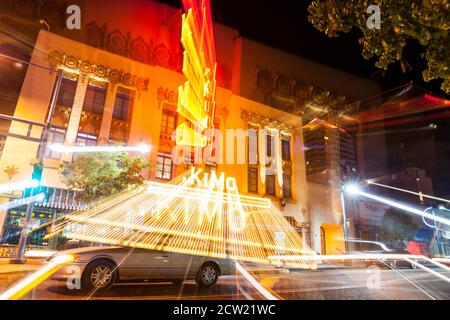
(101, 267)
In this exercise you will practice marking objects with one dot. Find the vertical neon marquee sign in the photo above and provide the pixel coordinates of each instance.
(196, 97)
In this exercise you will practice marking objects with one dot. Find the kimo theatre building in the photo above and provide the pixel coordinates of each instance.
(120, 82)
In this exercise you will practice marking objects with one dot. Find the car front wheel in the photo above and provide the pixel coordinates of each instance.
(207, 275)
(99, 276)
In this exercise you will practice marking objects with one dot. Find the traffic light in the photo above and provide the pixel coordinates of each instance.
(37, 172)
(37, 175)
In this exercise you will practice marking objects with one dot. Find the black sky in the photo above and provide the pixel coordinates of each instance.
(284, 24)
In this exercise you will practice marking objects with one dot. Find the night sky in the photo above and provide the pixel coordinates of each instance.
(284, 24)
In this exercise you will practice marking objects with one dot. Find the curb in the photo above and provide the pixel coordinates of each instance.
(269, 271)
(18, 270)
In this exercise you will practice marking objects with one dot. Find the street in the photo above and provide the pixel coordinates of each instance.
(331, 284)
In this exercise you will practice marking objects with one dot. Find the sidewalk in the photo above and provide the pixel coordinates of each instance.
(264, 270)
(7, 268)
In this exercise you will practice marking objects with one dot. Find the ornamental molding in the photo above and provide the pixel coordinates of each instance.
(265, 122)
(136, 48)
(294, 96)
(87, 69)
(166, 95)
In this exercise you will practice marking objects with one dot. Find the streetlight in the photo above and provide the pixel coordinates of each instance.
(355, 190)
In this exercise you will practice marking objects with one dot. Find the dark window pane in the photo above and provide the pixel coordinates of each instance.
(270, 185)
(95, 99)
(287, 186)
(66, 94)
(164, 167)
(253, 180)
(55, 136)
(123, 105)
(168, 122)
(269, 145)
(286, 149)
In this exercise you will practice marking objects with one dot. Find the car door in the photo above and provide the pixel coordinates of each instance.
(145, 264)
(183, 266)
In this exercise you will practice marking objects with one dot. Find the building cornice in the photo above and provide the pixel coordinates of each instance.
(98, 72)
(266, 122)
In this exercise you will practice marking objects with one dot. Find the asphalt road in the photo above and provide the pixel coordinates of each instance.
(335, 284)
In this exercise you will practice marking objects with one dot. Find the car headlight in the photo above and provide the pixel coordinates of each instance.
(64, 258)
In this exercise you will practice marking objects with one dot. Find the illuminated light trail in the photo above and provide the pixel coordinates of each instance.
(22, 202)
(421, 266)
(19, 186)
(198, 194)
(407, 191)
(191, 217)
(27, 284)
(141, 148)
(255, 283)
(381, 245)
(39, 254)
(378, 257)
(441, 260)
(354, 190)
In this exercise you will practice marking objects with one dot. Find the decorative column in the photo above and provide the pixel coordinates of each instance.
(278, 164)
(108, 112)
(75, 115)
(262, 146)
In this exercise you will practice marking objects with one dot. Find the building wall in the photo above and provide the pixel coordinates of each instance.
(255, 56)
(145, 121)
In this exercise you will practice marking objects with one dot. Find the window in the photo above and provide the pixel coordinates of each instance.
(55, 135)
(253, 180)
(123, 104)
(269, 145)
(164, 167)
(168, 122)
(66, 94)
(84, 140)
(252, 146)
(95, 99)
(287, 186)
(209, 168)
(270, 185)
(286, 149)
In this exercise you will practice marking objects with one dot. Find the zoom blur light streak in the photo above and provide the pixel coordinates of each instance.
(412, 259)
(255, 283)
(141, 148)
(30, 282)
(22, 202)
(18, 185)
(356, 191)
(194, 214)
(407, 191)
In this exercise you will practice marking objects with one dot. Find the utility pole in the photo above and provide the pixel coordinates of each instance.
(344, 221)
(37, 172)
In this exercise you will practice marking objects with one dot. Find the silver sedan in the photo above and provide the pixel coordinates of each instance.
(99, 268)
